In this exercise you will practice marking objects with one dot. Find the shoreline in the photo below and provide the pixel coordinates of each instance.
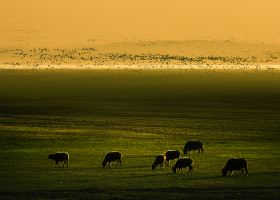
(196, 67)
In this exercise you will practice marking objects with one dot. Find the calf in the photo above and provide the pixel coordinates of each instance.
(60, 157)
(112, 156)
(235, 164)
(183, 163)
(193, 145)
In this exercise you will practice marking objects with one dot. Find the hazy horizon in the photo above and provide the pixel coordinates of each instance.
(68, 22)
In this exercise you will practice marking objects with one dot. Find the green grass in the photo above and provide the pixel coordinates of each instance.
(141, 114)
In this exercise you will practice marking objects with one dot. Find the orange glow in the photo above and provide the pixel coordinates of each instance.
(62, 22)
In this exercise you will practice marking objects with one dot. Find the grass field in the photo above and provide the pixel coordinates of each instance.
(141, 114)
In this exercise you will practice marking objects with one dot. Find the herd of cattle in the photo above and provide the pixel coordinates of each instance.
(233, 164)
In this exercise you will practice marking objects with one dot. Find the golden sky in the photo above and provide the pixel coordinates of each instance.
(74, 21)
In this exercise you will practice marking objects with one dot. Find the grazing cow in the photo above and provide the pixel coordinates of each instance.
(183, 163)
(235, 164)
(171, 155)
(193, 145)
(159, 161)
(60, 157)
(112, 156)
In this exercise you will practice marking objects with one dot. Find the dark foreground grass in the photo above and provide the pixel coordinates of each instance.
(141, 114)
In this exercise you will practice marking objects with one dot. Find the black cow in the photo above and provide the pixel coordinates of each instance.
(171, 155)
(60, 157)
(112, 156)
(183, 163)
(193, 145)
(235, 164)
(159, 161)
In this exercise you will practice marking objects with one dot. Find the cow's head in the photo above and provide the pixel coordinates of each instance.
(224, 172)
(104, 163)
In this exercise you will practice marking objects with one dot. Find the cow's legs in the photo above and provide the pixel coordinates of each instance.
(190, 169)
(119, 162)
(168, 162)
(65, 162)
(246, 171)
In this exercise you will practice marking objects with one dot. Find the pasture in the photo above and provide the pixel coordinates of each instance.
(141, 113)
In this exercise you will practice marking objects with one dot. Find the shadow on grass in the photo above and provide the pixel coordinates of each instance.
(150, 193)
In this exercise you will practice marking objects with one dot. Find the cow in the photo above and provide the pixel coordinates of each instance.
(235, 164)
(193, 145)
(183, 163)
(112, 156)
(60, 157)
(159, 161)
(171, 155)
